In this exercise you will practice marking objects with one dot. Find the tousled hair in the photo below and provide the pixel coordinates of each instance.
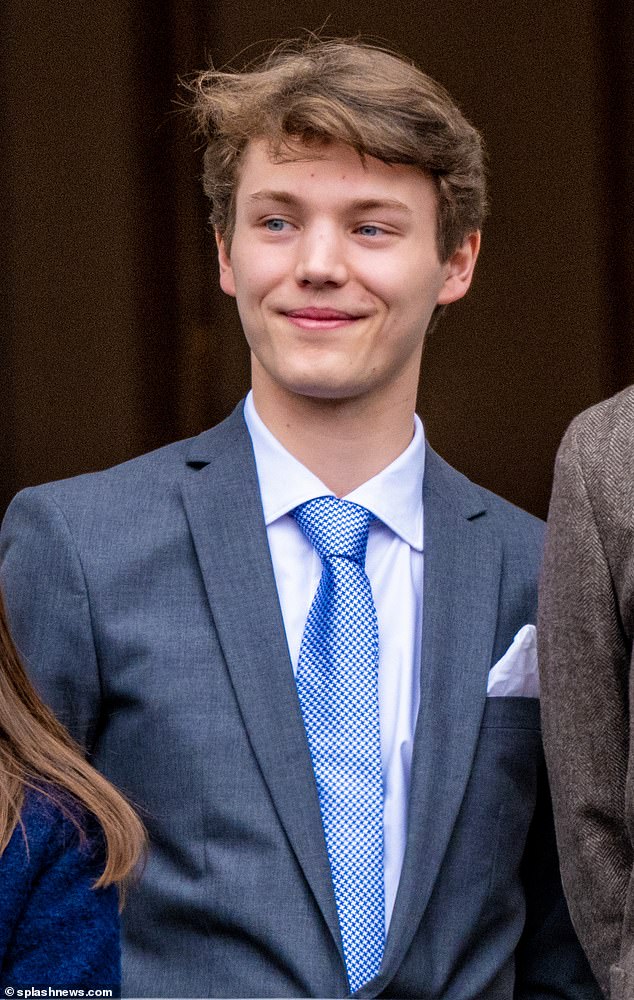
(341, 90)
(36, 752)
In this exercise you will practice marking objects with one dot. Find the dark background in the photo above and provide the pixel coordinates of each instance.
(115, 338)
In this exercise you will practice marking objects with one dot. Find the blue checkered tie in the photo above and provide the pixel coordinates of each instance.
(337, 684)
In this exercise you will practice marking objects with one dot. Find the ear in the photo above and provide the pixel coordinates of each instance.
(227, 282)
(459, 270)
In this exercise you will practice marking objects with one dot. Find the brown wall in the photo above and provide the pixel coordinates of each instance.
(114, 336)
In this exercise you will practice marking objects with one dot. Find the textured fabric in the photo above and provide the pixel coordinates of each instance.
(585, 649)
(55, 929)
(394, 565)
(144, 600)
(337, 684)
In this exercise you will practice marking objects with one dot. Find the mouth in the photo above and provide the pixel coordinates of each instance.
(312, 318)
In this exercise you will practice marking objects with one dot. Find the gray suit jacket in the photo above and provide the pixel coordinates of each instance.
(144, 600)
(586, 630)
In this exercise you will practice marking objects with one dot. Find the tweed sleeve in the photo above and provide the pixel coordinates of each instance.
(584, 666)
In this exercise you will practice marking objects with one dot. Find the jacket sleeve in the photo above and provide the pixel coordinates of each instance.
(49, 609)
(584, 665)
(67, 932)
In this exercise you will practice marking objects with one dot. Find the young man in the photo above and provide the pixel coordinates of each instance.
(280, 636)
(586, 634)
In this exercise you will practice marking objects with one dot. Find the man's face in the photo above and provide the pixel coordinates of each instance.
(335, 270)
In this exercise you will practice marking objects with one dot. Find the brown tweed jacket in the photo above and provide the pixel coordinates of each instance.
(586, 625)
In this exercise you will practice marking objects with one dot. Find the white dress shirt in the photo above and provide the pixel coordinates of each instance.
(394, 565)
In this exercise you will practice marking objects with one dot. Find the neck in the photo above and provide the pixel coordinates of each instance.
(343, 442)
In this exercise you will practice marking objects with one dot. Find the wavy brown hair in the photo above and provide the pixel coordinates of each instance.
(36, 752)
(320, 91)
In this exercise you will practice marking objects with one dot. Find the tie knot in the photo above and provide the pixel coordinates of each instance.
(335, 527)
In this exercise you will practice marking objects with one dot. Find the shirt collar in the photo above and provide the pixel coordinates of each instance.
(394, 495)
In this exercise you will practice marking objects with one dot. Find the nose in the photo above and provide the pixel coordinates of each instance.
(321, 257)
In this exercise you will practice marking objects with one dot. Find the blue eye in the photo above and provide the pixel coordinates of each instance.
(370, 230)
(275, 225)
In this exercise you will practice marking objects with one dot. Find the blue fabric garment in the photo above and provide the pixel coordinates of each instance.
(55, 929)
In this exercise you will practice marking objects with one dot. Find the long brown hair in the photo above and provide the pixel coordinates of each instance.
(37, 752)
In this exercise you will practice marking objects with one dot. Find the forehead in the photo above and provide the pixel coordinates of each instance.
(335, 171)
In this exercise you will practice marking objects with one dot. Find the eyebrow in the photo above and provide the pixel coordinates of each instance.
(358, 205)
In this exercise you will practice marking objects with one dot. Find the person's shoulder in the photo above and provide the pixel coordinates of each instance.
(515, 526)
(598, 442)
(611, 411)
(161, 464)
(521, 534)
(135, 488)
(610, 421)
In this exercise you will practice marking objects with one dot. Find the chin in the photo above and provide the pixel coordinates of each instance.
(314, 381)
(326, 390)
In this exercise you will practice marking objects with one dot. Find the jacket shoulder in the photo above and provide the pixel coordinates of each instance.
(137, 485)
(516, 526)
(608, 423)
(598, 447)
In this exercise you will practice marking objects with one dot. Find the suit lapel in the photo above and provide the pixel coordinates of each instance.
(224, 510)
(460, 606)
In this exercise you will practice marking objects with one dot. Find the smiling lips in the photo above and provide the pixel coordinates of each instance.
(320, 319)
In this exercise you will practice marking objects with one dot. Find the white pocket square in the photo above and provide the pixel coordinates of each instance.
(515, 674)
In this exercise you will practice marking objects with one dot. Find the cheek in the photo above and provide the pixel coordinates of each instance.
(394, 280)
(397, 293)
(254, 279)
(412, 292)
